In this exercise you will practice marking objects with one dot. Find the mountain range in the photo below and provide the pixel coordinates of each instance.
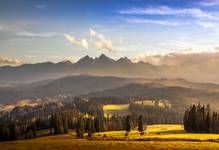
(100, 66)
(104, 66)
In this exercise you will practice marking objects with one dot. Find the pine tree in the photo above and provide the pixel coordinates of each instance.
(58, 128)
(80, 128)
(65, 124)
(13, 131)
(140, 124)
(97, 124)
(89, 127)
(52, 123)
(128, 124)
(34, 129)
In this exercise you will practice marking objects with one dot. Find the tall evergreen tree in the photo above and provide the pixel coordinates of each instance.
(65, 124)
(80, 128)
(89, 127)
(13, 131)
(34, 129)
(128, 124)
(140, 124)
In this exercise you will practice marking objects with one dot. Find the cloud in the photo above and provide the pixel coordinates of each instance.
(9, 61)
(40, 6)
(31, 34)
(209, 3)
(81, 42)
(165, 10)
(97, 40)
(149, 21)
(188, 57)
(207, 24)
(101, 42)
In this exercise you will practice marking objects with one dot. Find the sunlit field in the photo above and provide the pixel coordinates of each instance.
(159, 132)
(116, 109)
(122, 109)
(155, 137)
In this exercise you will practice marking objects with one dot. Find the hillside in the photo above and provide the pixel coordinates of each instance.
(179, 91)
(175, 94)
(74, 85)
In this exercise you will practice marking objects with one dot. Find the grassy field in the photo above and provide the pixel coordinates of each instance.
(116, 109)
(169, 137)
(123, 109)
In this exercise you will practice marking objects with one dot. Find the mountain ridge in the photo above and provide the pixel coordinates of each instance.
(104, 66)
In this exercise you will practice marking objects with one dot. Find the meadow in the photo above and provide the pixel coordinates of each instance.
(155, 137)
(123, 109)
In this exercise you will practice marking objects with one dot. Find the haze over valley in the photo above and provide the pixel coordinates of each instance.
(112, 74)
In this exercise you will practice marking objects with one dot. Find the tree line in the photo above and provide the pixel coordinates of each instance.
(156, 114)
(200, 119)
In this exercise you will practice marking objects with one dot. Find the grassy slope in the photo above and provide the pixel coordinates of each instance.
(171, 137)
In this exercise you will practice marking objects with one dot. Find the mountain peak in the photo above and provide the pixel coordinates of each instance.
(65, 62)
(124, 60)
(103, 58)
(84, 60)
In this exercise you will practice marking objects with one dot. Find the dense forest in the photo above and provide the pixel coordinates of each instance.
(200, 119)
(83, 115)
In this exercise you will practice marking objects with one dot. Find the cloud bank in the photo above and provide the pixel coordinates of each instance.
(184, 58)
(9, 61)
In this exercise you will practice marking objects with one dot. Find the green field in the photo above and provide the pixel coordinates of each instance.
(156, 137)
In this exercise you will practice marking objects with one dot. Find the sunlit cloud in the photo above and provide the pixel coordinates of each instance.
(81, 42)
(101, 42)
(9, 61)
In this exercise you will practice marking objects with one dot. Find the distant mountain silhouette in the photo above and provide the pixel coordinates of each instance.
(104, 66)
(101, 65)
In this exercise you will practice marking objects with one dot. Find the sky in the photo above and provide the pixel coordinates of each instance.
(33, 31)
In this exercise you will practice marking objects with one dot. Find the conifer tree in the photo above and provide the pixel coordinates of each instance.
(140, 124)
(80, 128)
(128, 124)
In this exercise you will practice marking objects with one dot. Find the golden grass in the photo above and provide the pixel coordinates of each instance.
(115, 107)
(66, 142)
(170, 137)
